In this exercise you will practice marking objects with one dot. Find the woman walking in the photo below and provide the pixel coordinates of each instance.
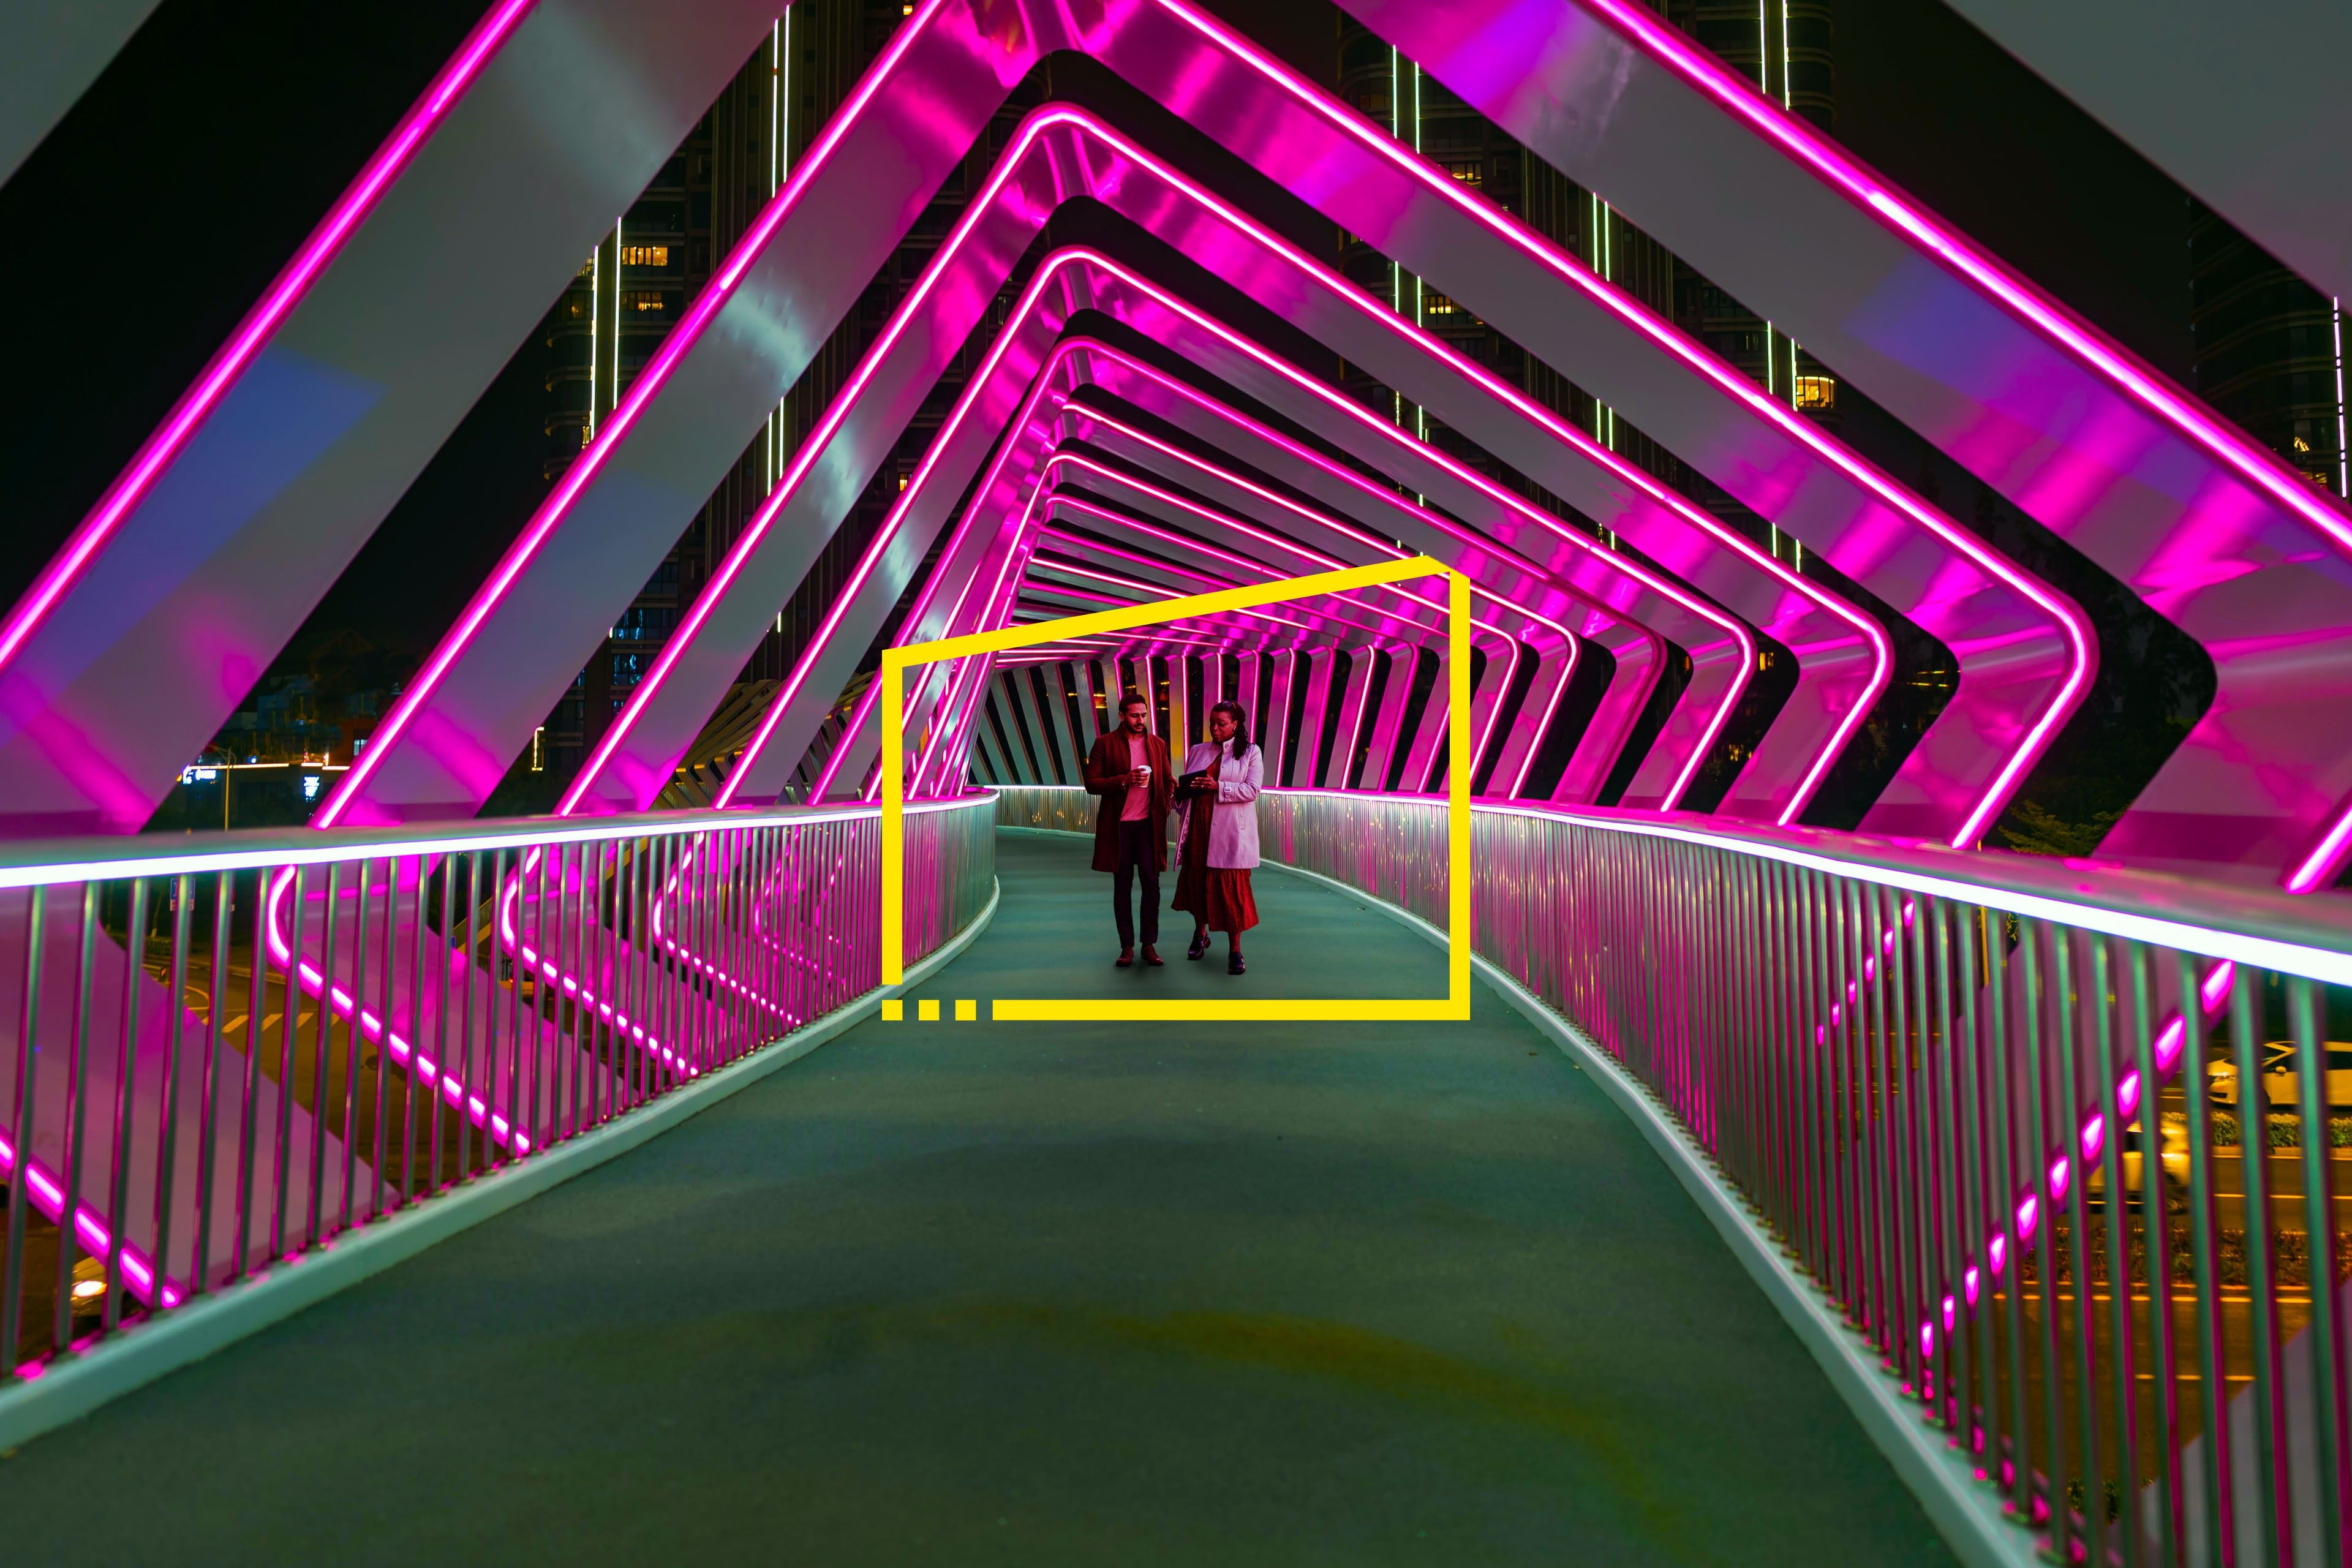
(1219, 842)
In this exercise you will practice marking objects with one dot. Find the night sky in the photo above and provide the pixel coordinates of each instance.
(160, 209)
(177, 187)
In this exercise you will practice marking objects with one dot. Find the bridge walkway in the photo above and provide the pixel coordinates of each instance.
(980, 1293)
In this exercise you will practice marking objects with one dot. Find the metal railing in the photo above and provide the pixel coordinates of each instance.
(2064, 1145)
(216, 1054)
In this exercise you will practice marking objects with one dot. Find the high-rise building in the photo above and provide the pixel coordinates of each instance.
(638, 283)
(2269, 350)
(1784, 47)
(632, 289)
(1785, 43)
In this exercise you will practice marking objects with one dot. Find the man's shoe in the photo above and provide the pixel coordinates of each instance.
(1126, 958)
(1152, 956)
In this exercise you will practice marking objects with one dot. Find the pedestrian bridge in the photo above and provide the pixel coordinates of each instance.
(1758, 1159)
(1374, 1293)
(541, 1149)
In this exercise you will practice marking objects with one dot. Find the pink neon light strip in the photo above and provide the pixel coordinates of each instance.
(254, 333)
(875, 553)
(1152, 591)
(50, 1196)
(1573, 643)
(1389, 322)
(998, 604)
(1495, 493)
(1566, 434)
(1323, 561)
(1204, 633)
(615, 429)
(2171, 1040)
(1896, 211)
(938, 761)
(1329, 523)
(1140, 593)
(403, 1050)
(813, 448)
(1086, 125)
(1274, 541)
(879, 550)
(510, 933)
(1156, 564)
(1387, 498)
(1500, 497)
(641, 392)
(1791, 423)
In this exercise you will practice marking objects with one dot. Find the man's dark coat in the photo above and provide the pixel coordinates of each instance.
(1107, 769)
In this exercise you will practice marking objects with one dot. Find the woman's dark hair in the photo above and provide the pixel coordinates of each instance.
(1241, 724)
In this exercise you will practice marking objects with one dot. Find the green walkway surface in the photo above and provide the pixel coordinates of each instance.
(1020, 1294)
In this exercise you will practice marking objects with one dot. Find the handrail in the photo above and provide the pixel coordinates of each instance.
(53, 862)
(1931, 1073)
(2252, 923)
(218, 1054)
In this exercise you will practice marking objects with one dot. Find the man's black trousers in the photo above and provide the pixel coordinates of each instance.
(1138, 857)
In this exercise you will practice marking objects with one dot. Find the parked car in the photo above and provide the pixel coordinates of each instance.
(2281, 1083)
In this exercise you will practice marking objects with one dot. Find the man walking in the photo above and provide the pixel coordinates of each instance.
(1128, 769)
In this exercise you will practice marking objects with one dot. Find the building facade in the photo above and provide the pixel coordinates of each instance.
(638, 283)
(2269, 350)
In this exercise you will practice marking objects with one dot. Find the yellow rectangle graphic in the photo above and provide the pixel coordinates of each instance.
(1453, 1007)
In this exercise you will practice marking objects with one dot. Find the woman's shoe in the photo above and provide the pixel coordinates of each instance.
(1200, 946)
(1234, 966)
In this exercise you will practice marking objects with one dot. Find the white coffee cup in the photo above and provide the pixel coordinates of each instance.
(1144, 768)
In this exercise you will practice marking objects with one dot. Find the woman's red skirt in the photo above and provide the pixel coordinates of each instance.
(1215, 897)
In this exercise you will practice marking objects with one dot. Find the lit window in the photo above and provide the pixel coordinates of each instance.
(310, 786)
(1816, 392)
(644, 301)
(902, 481)
(908, 9)
(645, 255)
(2300, 445)
(1472, 173)
(1435, 304)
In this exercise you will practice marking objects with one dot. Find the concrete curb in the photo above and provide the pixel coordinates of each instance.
(1965, 1511)
(72, 1388)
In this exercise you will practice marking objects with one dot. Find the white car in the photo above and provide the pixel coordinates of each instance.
(2281, 1083)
